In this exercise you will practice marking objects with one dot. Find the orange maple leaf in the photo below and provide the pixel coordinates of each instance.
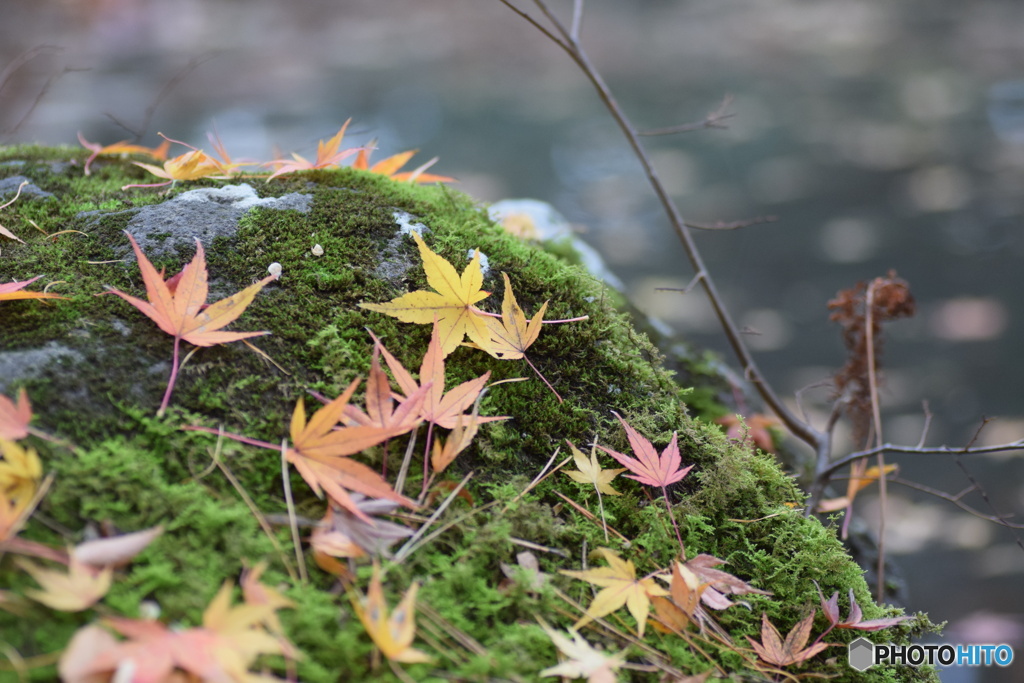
(222, 649)
(183, 314)
(14, 417)
(12, 290)
(319, 450)
(774, 651)
(123, 148)
(188, 166)
(439, 408)
(327, 156)
(619, 586)
(452, 304)
(389, 167)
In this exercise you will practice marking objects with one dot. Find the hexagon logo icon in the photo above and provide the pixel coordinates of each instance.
(861, 654)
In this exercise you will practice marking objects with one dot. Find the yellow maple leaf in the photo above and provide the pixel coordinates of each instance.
(451, 303)
(619, 586)
(122, 148)
(20, 471)
(512, 335)
(80, 588)
(590, 472)
(392, 634)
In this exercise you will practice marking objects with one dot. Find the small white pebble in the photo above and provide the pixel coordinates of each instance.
(274, 269)
(317, 250)
(485, 264)
(149, 609)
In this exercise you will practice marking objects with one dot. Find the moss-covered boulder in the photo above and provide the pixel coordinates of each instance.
(95, 370)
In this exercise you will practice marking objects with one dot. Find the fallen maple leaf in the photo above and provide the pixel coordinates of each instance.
(393, 633)
(389, 167)
(651, 469)
(439, 407)
(855, 620)
(78, 589)
(682, 608)
(183, 314)
(115, 550)
(589, 471)
(20, 471)
(123, 148)
(319, 451)
(719, 583)
(774, 651)
(14, 417)
(327, 156)
(584, 660)
(12, 290)
(511, 335)
(188, 166)
(343, 534)
(445, 409)
(452, 304)
(220, 650)
(619, 586)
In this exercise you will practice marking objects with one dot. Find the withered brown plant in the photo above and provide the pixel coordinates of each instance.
(861, 310)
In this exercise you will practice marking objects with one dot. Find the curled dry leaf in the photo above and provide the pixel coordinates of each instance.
(343, 534)
(115, 550)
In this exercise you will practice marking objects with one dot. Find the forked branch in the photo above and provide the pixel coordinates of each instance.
(568, 40)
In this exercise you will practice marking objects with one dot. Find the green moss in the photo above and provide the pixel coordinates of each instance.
(133, 470)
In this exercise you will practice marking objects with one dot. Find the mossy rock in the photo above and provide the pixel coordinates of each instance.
(95, 369)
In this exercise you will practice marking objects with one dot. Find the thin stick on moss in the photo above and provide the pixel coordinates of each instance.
(300, 557)
(260, 518)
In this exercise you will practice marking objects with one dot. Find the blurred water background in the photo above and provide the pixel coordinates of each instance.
(883, 135)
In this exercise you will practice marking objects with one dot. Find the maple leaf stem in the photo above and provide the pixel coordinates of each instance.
(668, 509)
(543, 378)
(426, 457)
(173, 378)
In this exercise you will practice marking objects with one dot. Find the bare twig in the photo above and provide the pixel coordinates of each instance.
(732, 225)
(564, 38)
(713, 120)
(139, 131)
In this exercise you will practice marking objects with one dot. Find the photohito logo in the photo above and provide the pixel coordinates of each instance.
(863, 654)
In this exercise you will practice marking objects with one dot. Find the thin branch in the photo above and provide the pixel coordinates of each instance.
(914, 450)
(147, 117)
(818, 441)
(956, 500)
(713, 120)
(732, 225)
